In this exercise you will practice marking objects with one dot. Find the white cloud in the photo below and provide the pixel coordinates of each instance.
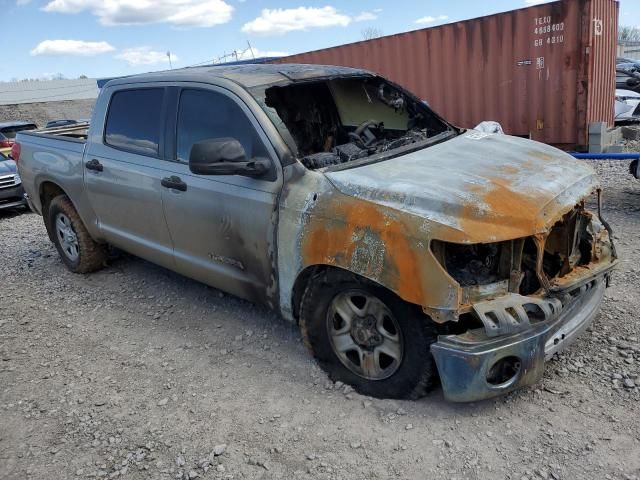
(22, 2)
(181, 13)
(430, 19)
(280, 21)
(71, 47)
(144, 56)
(365, 17)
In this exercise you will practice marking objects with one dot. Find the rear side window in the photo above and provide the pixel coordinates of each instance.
(134, 120)
(11, 132)
(204, 115)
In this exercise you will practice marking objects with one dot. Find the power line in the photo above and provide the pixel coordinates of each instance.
(206, 62)
(235, 54)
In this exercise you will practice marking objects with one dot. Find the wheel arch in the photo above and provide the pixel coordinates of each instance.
(49, 188)
(47, 191)
(313, 271)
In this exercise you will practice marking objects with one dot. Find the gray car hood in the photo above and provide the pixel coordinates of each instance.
(482, 186)
(7, 167)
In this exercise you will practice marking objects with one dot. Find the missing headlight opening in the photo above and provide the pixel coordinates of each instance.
(477, 264)
(575, 241)
(570, 243)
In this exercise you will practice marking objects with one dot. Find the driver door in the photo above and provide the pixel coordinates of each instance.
(221, 225)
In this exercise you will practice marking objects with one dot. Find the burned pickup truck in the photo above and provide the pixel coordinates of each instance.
(406, 248)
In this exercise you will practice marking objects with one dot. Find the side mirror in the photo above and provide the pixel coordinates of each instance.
(224, 156)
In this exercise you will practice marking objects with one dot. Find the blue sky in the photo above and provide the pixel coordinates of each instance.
(101, 38)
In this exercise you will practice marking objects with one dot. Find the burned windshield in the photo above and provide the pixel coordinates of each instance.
(335, 121)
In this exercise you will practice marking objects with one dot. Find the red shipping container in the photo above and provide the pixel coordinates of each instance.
(544, 72)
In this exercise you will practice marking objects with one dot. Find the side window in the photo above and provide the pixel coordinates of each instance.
(204, 115)
(134, 120)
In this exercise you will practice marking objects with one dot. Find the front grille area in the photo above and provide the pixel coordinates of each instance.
(568, 244)
(576, 241)
(7, 181)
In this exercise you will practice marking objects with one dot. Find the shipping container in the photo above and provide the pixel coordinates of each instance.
(544, 72)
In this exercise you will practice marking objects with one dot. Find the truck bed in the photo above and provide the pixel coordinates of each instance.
(77, 132)
(53, 155)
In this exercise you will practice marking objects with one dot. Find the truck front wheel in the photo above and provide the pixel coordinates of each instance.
(79, 252)
(365, 336)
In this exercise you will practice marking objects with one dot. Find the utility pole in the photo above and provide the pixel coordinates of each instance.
(251, 50)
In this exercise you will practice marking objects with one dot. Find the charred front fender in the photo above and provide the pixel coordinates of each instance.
(388, 239)
(321, 226)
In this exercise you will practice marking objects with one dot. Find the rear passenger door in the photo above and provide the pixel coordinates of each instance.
(123, 173)
(222, 226)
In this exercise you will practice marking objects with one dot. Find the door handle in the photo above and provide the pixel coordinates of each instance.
(174, 183)
(94, 165)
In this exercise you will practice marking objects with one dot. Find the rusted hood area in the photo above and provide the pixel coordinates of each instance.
(475, 187)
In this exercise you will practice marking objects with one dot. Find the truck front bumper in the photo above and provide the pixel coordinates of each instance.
(468, 363)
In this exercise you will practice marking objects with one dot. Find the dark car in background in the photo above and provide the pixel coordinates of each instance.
(8, 132)
(65, 122)
(11, 191)
(628, 76)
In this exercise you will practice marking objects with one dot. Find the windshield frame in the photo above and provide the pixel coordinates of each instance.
(259, 95)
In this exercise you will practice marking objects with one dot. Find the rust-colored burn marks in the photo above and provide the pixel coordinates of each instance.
(382, 232)
(601, 248)
(503, 212)
(367, 239)
(540, 155)
(511, 169)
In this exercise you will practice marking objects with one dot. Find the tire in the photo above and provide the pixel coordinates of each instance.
(634, 169)
(407, 372)
(78, 251)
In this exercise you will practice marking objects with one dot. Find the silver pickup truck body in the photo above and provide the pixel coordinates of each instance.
(489, 235)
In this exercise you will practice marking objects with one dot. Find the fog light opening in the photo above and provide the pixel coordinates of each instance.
(504, 371)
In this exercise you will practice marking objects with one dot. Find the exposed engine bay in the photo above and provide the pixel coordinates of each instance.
(338, 120)
(533, 264)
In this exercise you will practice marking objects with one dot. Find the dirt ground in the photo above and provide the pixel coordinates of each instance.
(43, 112)
(139, 373)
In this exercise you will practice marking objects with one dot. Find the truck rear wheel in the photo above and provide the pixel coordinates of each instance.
(365, 336)
(79, 252)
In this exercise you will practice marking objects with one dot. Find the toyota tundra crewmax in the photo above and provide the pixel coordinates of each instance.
(407, 249)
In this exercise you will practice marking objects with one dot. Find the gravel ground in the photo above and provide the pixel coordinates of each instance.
(139, 373)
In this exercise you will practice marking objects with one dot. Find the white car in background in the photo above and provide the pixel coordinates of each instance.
(627, 106)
